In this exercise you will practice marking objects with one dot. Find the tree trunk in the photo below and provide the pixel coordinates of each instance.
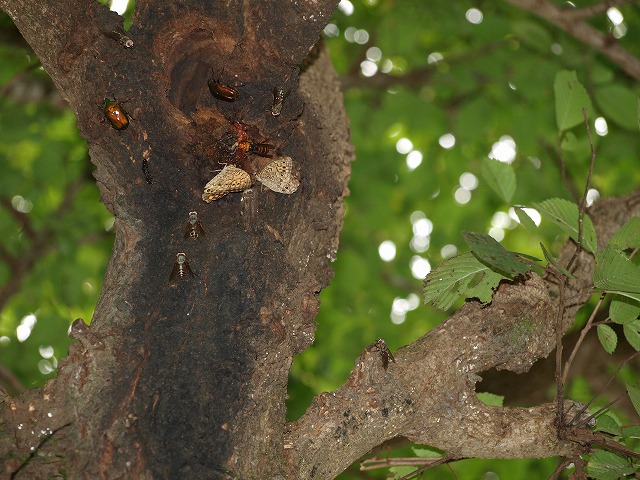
(188, 379)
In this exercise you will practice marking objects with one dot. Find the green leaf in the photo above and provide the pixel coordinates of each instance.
(571, 98)
(452, 279)
(634, 396)
(608, 466)
(606, 423)
(623, 311)
(632, 334)
(491, 399)
(615, 273)
(427, 452)
(525, 219)
(565, 214)
(617, 103)
(553, 261)
(533, 35)
(494, 255)
(500, 177)
(631, 432)
(628, 236)
(607, 337)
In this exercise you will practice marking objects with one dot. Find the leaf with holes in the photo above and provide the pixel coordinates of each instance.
(564, 213)
(462, 275)
(607, 337)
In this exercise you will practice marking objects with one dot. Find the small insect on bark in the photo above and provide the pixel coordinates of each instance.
(222, 91)
(119, 37)
(181, 268)
(261, 149)
(194, 227)
(117, 116)
(278, 101)
(381, 346)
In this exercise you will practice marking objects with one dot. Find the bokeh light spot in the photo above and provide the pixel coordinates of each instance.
(387, 250)
(414, 159)
(420, 267)
(474, 16)
(374, 54)
(592, 196)
(346, 7)
(601, 127)
(462, 196)
(468, 181)
(447, 141)
(404, 145)
(504, 150)
(368, 68)
(448, 251)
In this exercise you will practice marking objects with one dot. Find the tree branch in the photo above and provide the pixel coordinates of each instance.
(585, 33)
(429, 396)
(595, 9)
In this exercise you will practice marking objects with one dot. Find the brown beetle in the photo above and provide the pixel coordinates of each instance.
(117, 116)
(222, 91)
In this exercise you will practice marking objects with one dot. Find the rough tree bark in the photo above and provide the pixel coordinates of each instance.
(189, 380)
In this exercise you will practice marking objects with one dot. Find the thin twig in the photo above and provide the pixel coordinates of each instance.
(564, 462)
(560, 377)
(439, 461)
(583, 334)
(583, 409)
(378, 463)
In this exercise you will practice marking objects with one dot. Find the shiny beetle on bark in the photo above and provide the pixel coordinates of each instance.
(117, 116)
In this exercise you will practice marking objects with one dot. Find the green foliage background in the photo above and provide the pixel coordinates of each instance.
(494, 79)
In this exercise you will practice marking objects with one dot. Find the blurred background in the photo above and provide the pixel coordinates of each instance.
(431, 90)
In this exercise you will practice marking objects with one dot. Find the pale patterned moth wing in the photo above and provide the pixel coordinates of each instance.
(278, 176)
(230, 179)
(181, 268)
